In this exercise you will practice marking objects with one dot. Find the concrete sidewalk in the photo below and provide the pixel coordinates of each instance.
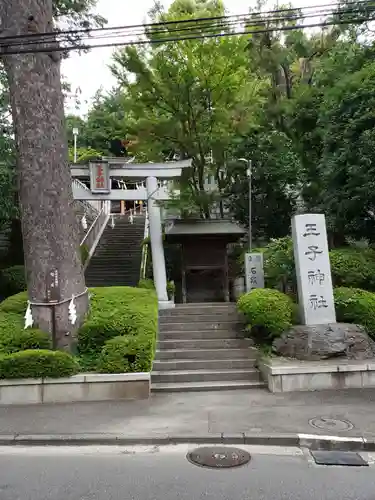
(234, 415)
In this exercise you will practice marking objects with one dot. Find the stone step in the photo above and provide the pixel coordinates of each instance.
(201, 334)
(199, 318)
(204, 364)
(199, 309)
(201, 326)
(168, 377)
(207, 386)
(210, 354)
(204, 344)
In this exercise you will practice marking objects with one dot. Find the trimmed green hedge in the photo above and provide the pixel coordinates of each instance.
(126, 354)
(131, 313)
(354, 305)
(15, 304)
(117, 311)
(268, 312)
(13, 336)
(37, 364)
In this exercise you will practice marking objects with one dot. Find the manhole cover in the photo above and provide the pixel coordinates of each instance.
(218, 457)
(331, 424)
(345, 458)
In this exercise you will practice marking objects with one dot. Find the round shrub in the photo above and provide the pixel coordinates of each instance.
(13, 280)
(16, 304)
(353, 267)
(21, 340)
(357, 306)
(37, 364)
(126, 354)
(268, 312)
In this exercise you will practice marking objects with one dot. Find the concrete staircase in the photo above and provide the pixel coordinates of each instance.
(201, 347)
(117, 258)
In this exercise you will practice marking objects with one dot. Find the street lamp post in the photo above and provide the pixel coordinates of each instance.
(75, 133)
(249, 176)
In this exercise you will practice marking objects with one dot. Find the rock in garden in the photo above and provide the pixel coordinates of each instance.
(335, 340)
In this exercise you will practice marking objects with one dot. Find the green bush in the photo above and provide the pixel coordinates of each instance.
(146, 283)
(278, 261)
(16, 304)
(171, 289)
(118, 311)
(126, 354)
(21, 340)
(354, 305)
(353, 267)
(84, 253)
(13, 280)
(37, 364)
(268, 312)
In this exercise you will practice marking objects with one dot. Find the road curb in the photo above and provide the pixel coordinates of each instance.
(310, 441)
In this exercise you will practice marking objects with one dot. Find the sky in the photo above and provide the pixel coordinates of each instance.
(87, 73)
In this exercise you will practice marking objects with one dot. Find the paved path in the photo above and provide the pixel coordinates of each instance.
(201, 414)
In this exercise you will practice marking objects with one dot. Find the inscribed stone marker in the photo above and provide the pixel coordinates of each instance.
(313, 270)
(254, 271)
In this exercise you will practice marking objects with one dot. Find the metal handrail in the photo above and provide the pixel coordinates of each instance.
(92, 237)
(94, 204)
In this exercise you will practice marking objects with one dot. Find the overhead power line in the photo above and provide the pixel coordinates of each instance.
(245, 19)
(193, 30)
(338, 6)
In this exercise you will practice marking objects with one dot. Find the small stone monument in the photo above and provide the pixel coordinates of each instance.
(313, 270)
(254, 272)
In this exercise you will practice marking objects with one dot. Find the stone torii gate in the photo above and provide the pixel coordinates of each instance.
(101, 174)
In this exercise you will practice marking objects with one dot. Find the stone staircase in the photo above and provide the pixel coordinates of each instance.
(117, 258)
(201, 347)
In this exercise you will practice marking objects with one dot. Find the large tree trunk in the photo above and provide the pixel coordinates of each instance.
(49, 226)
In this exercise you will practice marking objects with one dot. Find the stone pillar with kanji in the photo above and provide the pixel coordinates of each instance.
(313, 270)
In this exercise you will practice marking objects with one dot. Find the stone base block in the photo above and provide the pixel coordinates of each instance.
(166, 304)
(90, 387)
(284, 375)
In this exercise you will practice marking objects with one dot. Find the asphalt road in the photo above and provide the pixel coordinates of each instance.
(165, 474)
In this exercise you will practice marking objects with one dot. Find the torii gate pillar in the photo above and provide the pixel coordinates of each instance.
(156, 239)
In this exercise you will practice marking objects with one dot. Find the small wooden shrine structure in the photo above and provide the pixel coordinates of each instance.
(204, 257)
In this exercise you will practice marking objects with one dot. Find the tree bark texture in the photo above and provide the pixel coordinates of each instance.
(49, 227)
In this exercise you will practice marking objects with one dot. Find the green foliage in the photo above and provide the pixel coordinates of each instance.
(118, 311)
(13, 336)
(268, 312)
(127, 354)
(84, 253)
(37, 364)
(14, 339)
(13, 280)
(148, 284)
(354, 305)
(15, 304)
(353, 267)
(171, 289)
(279, 263)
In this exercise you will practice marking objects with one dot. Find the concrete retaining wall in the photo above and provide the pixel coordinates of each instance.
(282, 375)
(90, 387)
